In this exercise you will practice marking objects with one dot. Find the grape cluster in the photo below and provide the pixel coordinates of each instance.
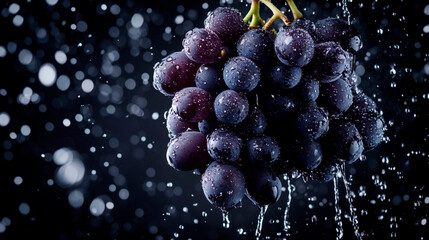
(251, 105)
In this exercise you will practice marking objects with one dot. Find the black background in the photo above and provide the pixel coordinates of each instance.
(403, 98)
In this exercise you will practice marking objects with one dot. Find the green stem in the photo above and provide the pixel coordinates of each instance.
(296, 13)
(254, 11)
(276, 14)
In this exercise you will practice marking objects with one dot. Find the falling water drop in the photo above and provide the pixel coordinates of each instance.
(349, 198)
(346, 12)
(260, 221)
(286, 223)
(225, 219)
(338, 221)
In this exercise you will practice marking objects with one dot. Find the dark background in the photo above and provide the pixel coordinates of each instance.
(390, 186)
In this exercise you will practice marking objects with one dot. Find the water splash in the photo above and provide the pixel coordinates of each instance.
(346, 12)
(338, 221)
(349, 198)
(286, 223)
(260, 221)
(225, 219)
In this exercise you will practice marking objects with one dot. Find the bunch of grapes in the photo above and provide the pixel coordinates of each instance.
(251, 104)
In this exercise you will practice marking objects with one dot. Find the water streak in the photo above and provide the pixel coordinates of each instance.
(260, 221)
(349, 198)
(338, 221)
(225, 219)
(286, 223)
(346, 12)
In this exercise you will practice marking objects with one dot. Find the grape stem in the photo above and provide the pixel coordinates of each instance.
(296, 13)
(254, 11)
(276, 14)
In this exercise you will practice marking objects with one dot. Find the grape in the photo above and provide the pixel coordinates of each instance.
(349, 67)
(362, 104)
(329, 62)
(192, 104)
(176, 125)
(307, 25)
(312, 122)
(202, 45)
(231, 107)
(209, 78)
(294, 46)
(279, 106)
(344, 141)
(333, 29)
(325, 172)
(188, 151)
(231, 51)
(254, 124)
(371, 127)
(283, 165)
(263, 187)
(309, 155)
(336, 96)
(241, 74)
(201, 169)
(353, 81)
(227, 23)
(307, 90)
(174, 73)
(262, 150)
(257, 45)
(223, 185)
(224, 145)
(284, 77)
(209, 124)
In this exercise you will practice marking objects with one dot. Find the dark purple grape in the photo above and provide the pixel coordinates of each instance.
(209, 124)
(223, 185)
(307, 90)
(312, 122)
(241, 74)
(294, 46)
(231, 51)
(176, 125)
(343, 141)
(279, 106)
(362, 104)
(284, 77)
(231, 107)
(257, 45)
(307, 25)
(328, 63)
(202, 45)
(188, 151)
(192, 104)
(262, 150)
(224, 145)
(227, 23)
(308, 155)
(371, 127)
(325, 172)
(353, 81)
(263, 187)
(254, 124)
(284, 164)
(349, 67)
(209, 78)
(337, 30)
(336, 96)
(174, 73)
(202, 169)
